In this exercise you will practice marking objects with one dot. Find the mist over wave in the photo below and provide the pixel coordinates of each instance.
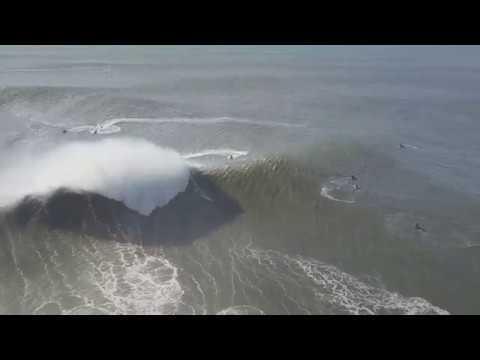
(140, 174)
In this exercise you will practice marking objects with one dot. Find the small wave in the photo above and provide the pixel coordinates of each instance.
(111, 126)
(140, 174)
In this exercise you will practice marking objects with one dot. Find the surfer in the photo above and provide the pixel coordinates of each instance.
(64, 131)
(419, 227)
(402, 146)
(230, 157)
(354, 178)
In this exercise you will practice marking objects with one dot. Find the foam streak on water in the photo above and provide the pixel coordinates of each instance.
(331, 286)
(110, 278)
(216, 152)
(111, 126)
(139, 283)
(339, 189)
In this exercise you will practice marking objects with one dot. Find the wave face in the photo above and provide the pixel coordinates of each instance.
(232, 236)
(140, 174)
(195, 212)
(294, 183)
(253, 237)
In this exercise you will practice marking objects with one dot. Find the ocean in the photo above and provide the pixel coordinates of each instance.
(240, 180)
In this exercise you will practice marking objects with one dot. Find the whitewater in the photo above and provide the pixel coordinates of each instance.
(138, 173)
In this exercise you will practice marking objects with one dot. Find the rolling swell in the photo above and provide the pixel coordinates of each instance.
(285, 210)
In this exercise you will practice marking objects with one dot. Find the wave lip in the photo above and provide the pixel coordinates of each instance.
(137, 173)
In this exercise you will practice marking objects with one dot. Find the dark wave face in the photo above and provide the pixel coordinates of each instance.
(318, 180)
(196, 212)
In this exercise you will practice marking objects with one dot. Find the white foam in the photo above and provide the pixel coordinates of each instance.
(325, 192)
(241, 310)
(108, 278)
(357, 297)
(138, 173)
(342, 187)
(134, 282)
(216, 152)
(329, 284)
(111, 126)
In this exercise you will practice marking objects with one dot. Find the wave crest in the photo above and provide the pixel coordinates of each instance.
(140, 174)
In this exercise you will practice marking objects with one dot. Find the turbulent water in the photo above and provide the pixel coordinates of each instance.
(239, 180)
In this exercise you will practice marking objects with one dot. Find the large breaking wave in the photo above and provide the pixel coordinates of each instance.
(140, 174)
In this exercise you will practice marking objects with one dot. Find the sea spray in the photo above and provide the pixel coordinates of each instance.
(140, 174)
